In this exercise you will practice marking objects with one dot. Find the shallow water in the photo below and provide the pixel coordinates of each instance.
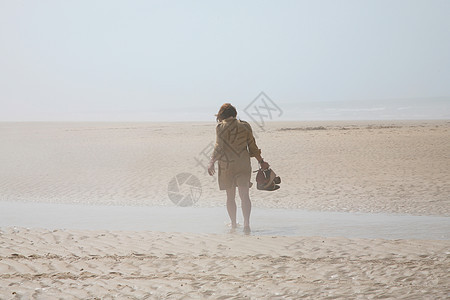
(276, 222)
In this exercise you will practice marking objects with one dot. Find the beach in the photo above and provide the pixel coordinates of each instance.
(356, 167)
(43, 264)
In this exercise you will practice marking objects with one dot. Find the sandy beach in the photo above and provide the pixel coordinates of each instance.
(41, 264)
(336, 166)
(389, 167)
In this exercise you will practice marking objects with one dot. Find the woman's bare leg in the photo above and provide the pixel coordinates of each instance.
(231, 206)
(246, 206)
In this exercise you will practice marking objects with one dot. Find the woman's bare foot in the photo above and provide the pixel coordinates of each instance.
(247, 230)
(232, 227)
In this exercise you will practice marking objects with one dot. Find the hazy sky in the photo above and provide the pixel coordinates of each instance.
(165, 60)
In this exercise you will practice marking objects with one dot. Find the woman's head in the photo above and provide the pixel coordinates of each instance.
(227, 110)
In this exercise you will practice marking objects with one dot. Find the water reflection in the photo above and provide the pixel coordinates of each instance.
(277, 222)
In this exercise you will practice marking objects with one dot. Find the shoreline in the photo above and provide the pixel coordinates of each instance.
(212, 220)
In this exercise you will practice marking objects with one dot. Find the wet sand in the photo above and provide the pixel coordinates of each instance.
(215, 220)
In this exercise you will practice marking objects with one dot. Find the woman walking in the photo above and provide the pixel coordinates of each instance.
(235, 144)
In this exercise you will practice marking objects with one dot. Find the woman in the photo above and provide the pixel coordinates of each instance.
(234, 146)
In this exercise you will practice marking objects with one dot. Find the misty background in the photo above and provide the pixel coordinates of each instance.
(180, 60)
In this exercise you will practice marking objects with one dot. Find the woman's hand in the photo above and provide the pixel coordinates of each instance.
(211, 168)
(264, 165)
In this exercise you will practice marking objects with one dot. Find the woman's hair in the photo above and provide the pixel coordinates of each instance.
(227, 110)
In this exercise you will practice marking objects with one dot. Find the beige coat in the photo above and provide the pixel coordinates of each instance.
(235, 144)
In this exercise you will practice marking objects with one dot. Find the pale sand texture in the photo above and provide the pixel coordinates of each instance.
(40, 264)
(401, 167)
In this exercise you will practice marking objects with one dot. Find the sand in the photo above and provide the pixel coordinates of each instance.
(369, 167)
(401, 167)
(86, 264)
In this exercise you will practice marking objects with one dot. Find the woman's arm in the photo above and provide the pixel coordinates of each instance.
(211, 168)
(254, 151)
(216, 153)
